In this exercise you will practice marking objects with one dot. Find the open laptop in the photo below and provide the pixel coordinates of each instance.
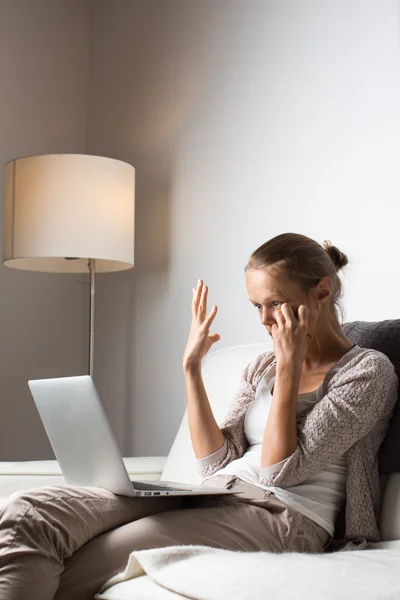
(84, 444)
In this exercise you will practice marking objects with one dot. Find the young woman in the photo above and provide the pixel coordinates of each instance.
(300, 438)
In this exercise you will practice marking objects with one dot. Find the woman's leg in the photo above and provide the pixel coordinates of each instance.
(41, 527)
(297, 532)
(253, 521)
(233, 526)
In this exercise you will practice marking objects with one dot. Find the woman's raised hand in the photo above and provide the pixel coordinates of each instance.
(199, 341)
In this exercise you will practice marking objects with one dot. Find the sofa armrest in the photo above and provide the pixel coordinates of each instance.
(22, 475)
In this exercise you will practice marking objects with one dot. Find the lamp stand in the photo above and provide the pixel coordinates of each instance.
(91, 265)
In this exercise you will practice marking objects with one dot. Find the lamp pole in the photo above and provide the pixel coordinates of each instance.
(91, 265)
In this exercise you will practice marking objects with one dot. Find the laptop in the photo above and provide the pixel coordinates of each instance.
(84, 444)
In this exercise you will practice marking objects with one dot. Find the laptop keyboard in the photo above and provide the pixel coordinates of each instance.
(139, 485)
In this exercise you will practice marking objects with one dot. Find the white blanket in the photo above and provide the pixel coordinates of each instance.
(206, 573)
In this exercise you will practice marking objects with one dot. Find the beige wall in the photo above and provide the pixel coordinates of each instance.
(44, 75)
(243, 119)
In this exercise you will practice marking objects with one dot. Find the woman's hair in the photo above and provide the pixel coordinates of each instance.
(303, 261)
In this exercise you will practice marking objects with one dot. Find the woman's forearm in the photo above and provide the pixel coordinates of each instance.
(205, 434)
(280, 433)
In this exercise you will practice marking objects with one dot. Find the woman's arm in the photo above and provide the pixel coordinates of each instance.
(205, 434)
(232, 426)
(361, 399)
(280, 433)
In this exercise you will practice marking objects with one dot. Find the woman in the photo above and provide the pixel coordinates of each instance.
(300, 437)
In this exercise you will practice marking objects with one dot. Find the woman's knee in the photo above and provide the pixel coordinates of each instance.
(17, 506)
(36, 518)
(22, 503)
(34, 495)
(22, 527)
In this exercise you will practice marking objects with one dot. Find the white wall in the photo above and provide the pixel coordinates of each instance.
(44, 75)
(244, 119)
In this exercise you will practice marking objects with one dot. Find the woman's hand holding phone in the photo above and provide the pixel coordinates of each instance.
(289, 335)
(200, 341)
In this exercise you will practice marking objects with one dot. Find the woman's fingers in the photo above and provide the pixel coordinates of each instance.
(199, 305)
(196, 298)
(203, 303)
(280, 317)
(212, 314)
(194, 311)
(198, 293)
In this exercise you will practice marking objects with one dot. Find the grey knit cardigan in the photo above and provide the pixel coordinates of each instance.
(351, 419)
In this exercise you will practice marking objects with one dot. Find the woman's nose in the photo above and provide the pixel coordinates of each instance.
(267, 319)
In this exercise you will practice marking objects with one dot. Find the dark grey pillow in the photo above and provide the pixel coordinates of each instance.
(385, 337)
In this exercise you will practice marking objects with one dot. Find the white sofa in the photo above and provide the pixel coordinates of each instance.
(221, 372)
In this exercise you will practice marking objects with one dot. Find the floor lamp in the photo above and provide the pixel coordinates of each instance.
(70, 213)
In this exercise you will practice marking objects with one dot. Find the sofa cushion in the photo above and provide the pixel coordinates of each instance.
(390, 509)
(385, 337)
(137, 465)
(22, 475)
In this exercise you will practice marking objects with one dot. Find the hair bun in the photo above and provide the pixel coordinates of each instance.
(339, 259)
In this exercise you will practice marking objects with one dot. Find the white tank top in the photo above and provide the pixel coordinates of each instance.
(320, 496)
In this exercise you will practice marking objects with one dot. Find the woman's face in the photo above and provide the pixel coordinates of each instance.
(268, 290)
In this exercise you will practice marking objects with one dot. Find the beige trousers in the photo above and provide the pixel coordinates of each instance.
(64, 542)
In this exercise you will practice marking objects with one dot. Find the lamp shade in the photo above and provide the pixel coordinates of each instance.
(60, 207)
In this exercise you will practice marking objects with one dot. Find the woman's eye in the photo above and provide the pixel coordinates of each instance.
(258, 306)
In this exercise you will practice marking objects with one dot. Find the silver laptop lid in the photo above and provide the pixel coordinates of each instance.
(80, 434)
